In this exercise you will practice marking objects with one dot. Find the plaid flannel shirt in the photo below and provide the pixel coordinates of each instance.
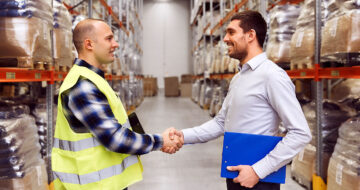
(87, 109)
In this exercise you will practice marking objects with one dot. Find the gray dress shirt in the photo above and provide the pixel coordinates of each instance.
(260, 96)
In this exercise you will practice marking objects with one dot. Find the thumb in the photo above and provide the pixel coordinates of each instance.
(234, 168)
(172, 132)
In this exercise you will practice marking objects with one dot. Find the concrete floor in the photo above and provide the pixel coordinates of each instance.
(194, 167)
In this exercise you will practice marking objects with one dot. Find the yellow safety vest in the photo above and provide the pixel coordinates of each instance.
(79, 161)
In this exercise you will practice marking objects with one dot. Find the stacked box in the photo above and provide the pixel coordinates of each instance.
(171, 86)
(150, 86)
(186, 86)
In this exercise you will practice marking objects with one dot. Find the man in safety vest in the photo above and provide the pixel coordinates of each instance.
(94, 145)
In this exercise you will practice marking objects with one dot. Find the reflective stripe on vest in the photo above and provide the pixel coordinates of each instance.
(83, 144)
(98, 175)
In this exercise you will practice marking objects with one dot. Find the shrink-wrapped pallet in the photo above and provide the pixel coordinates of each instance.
(302, 166)
(195, 91)
(20, 164)
(302, 41)
(25, 33)
(207, 96)
(342, 27)
(25, 42)
(282, 26)
(332, 117)
(344, 166)
(62, 36)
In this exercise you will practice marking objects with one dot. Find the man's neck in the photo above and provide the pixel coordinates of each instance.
(251, 54)
(91, 60)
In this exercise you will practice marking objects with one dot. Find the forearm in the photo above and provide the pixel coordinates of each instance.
(282, 154)
(203, 133)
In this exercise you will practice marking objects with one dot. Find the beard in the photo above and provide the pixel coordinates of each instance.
(239, 55)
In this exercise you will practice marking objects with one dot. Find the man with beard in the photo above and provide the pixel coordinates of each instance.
(94, 145)
(260, 96)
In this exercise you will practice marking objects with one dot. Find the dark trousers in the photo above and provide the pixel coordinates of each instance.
(259, 186)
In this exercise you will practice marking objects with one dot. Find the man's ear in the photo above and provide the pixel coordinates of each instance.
(88, 44)
(251, 34)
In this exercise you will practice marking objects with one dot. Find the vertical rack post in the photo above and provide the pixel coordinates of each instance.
(49, 111)
(90, 3)
(318, 181)
(49, 133)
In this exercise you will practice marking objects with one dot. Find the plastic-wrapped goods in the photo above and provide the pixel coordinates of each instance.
(116, 66)
(302, 41)
(303, 166)
(349, 87)
(225, 64)
(344, 166)
(215, 99)
(26, 8)
(62, 36)
(19, 149)
(333, 116)
(195, 91)
(25, 41)
(282, 26)
(35, 178)
(25, 32)
(40, 114)
(207, 96)
(202, 94)
(302, 48)
(233, 65)
(342, 28)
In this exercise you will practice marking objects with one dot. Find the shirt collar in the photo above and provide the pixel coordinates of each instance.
(256, 61)
(83, 63)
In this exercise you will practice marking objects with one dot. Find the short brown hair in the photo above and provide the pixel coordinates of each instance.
(252, 20)
(83, 29)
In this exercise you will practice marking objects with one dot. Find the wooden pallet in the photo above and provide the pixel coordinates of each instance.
(26, 62)
(341, 60)
(296, 66)
(284, 65)
(301, 181)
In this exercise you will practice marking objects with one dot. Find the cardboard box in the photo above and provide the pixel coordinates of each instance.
(171, 86)
(185, 89)
(342, 175)
(186, 78)
(150, 86)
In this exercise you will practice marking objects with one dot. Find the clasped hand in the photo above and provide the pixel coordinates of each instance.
(173, 140)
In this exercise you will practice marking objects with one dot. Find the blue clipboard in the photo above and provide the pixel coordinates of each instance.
(247, 149)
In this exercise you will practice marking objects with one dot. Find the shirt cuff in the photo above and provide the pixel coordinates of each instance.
(158, 142)
(261, 168)
(189, 138)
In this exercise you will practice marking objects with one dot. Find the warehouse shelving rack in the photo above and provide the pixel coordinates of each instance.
(318, 74)
(50, 77)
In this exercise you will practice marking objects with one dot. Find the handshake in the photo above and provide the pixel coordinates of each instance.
(173, 140)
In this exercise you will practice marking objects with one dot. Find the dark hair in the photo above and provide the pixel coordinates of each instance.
(252, 20)
(83, 30)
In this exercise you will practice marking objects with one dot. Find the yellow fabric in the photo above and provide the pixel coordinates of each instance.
(91, 159)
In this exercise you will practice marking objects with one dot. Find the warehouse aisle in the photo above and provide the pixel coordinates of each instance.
(194, 167)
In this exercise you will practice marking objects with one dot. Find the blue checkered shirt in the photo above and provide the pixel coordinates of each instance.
(87, 109)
